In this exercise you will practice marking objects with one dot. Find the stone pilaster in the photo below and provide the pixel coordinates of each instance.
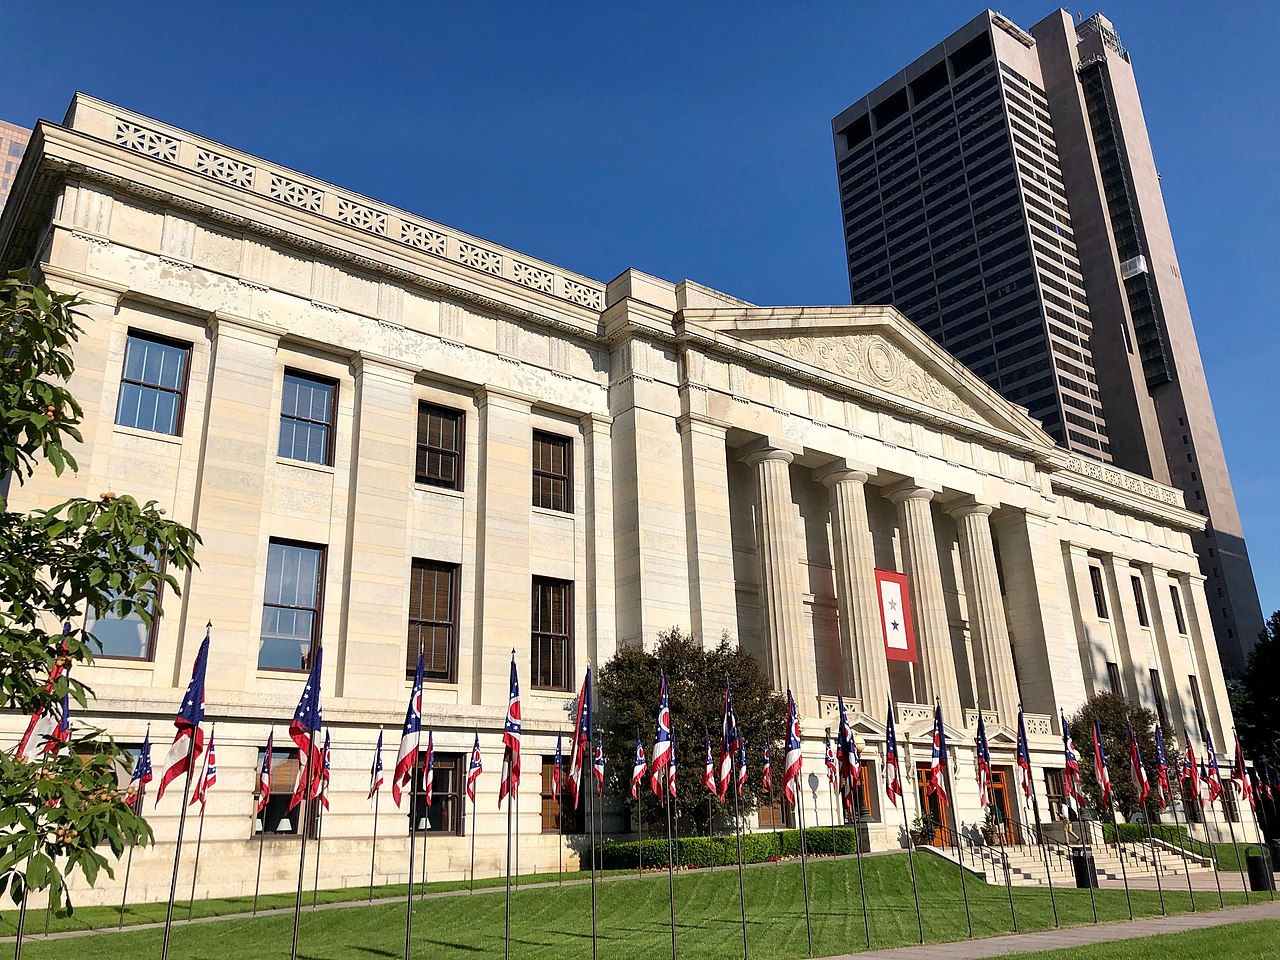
(791, 659)
(598, 591)
(1093, 634)
(866, 669)
(1171, 644)
(996, 681)
(713, 607)
(933, 633)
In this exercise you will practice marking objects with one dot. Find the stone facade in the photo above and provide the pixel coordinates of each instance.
(727, 468)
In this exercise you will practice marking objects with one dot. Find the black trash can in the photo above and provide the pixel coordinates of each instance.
(1260, 877)
(1275, 856)
(1086, 869)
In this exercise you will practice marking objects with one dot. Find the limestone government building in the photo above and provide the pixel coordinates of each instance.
(395, 436)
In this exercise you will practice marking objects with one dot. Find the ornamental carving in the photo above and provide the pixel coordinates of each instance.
(1097, 470)
(873, 360)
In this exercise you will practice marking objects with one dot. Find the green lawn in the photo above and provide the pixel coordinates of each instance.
(548, 924)
(1236, 941)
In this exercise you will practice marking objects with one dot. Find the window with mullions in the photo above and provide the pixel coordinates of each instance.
(551, 633)
(1140, 600)
(558, 814)
(440, 444)
(129, 636)
(1055, 793)
(276, 819)
(153, 384)
(1099, 592)
(433, 620)
(1113, 678)
(307, 408)
(445, 814)
(1176, 597)
(552, 487)
(291, 605)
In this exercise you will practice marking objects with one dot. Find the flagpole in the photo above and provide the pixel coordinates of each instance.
(262, 841)
(195, 872)
(177, 852)
(831, 811)
(911, 862)
(22, 908)
(671, 879)
(737, 823)
(1186, 864)
(1257, 832)
(945, 763)
(1124, 873)
(315, 883)
(413, 844)
(373, 848)
(591, 826)
(1244, 885)
(1048, 871)
(804, 864)
(128, 865)
(302, 847)
(506, 938)
(1008, 882)
(857, 850)
(473, 843)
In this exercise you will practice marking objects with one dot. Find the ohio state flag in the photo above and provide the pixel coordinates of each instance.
(895, 616)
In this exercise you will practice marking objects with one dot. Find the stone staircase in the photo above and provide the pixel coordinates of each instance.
(1032, 866)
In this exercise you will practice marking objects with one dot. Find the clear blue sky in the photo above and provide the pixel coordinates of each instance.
(687, 139)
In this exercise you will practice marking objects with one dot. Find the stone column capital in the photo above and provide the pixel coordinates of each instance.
(842, 471)
(908, 489)
(969, 507)
(491, 395)
(222, 324)
(701, 424)
(366, 363)
(761, 450)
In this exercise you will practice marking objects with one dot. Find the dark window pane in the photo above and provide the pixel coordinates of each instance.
(550, 646)
(306, 418)
(126, 636)
(152, 385)
(439, 450)
(552, 456)
(433, 619)
(291, 605)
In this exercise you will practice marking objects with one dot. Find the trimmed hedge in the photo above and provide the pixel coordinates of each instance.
(722, 849)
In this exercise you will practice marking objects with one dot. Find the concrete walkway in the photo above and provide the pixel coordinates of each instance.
(1072, 937)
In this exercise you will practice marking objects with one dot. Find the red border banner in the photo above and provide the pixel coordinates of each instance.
(896, 625)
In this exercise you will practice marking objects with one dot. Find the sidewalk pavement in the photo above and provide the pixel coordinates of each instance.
(1070, 937)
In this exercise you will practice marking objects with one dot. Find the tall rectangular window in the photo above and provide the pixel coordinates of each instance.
(1099, 592)
(1157, 691)
(551, 633)
(153, 384)
(1176, 597)
(291, 605)
(552, 483)
(1140, 600)
(445, 813)
(1113, 678)
(1198, 703)
(558, 814)
(440, 444)
(307, 411)
(433, 620)
(276, 819)
(129, 637)
(1055, 792)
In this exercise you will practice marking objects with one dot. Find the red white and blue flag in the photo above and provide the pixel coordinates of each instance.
(41, 735)
(661, 760)
(474, 769)
(511, 727)
(1212, 779)
(429, 773)
(742, 764)
(303, 729)
(410, 738)
(597, 765)
(583, 734)
(709, 777)
(766, 771)
(557, 771)
(1100, 765)
(938, 761)
(1240, 774)
(264, 775)
(326, 769)
(638, 769)
(208, 778)
(892, 774)
(829, 758)
(141, 770)
(1024, 757)
(375, 770)
(730, 744)
(982, 764)
(1071, 771)
(1191, 771)
(188, 742)
(1136, 769)
(1163, 791)
(793, 762)
(671, 772)
(850, 765)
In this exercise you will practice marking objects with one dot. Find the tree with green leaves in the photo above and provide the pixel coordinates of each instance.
(60, 569)
(1258, 708)
(1114, 713)
(696, 678)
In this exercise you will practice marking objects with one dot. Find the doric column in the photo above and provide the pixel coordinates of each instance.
(867, 671)
(997, 682)
(713, 605)
(933, 633)
(791, 660)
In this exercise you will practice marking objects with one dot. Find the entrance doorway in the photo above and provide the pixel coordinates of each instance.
(938, 811)
(1002, 806)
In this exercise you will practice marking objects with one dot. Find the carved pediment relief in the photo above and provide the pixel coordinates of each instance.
(876, 361)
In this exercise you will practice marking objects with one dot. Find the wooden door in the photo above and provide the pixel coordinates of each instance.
(1001, 807)
(938, 809)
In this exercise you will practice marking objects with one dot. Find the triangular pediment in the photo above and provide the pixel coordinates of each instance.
(873, 349)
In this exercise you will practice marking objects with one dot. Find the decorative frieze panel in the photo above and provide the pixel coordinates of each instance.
(422, 238)
(217, 167)
(366, 218)
(580, 293)
(1097, 470)
(480, 258)
(150, 143)
(295, 194)
(532, 276)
